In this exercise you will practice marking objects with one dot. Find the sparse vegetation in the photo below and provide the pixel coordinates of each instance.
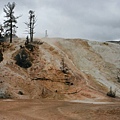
(111, 93)
(118, 76)
(20, 93)
(30, 47)
(1, 56)
(23, 59)
(64, 67)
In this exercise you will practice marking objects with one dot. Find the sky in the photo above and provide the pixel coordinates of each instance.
(87, 19)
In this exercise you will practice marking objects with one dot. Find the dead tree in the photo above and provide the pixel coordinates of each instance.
(10, 22)
(1, 30)
(31, 24)
(64, 67)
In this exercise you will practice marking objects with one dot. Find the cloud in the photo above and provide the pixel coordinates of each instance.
(94, 20)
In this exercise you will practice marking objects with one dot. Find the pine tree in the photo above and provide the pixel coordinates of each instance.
(11, 20)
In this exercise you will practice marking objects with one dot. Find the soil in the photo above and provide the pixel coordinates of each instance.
(58, 110)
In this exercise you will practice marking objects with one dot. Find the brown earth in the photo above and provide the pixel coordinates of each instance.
(58, 110)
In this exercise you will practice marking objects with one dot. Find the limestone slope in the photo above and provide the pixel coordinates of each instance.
(92, 70)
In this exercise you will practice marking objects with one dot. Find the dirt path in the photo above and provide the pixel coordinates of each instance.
(57, 110)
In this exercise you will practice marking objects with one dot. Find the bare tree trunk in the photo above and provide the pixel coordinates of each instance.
(31, 24)
(31, 40)
(32, 35)
(11, 32)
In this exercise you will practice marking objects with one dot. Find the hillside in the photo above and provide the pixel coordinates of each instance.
(92, 69)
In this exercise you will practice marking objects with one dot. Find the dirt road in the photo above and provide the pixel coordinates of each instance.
(57, 110)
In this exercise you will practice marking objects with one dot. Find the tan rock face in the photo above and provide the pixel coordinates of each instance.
(89, 75)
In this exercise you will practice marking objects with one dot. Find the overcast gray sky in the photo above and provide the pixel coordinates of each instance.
(88, 19)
